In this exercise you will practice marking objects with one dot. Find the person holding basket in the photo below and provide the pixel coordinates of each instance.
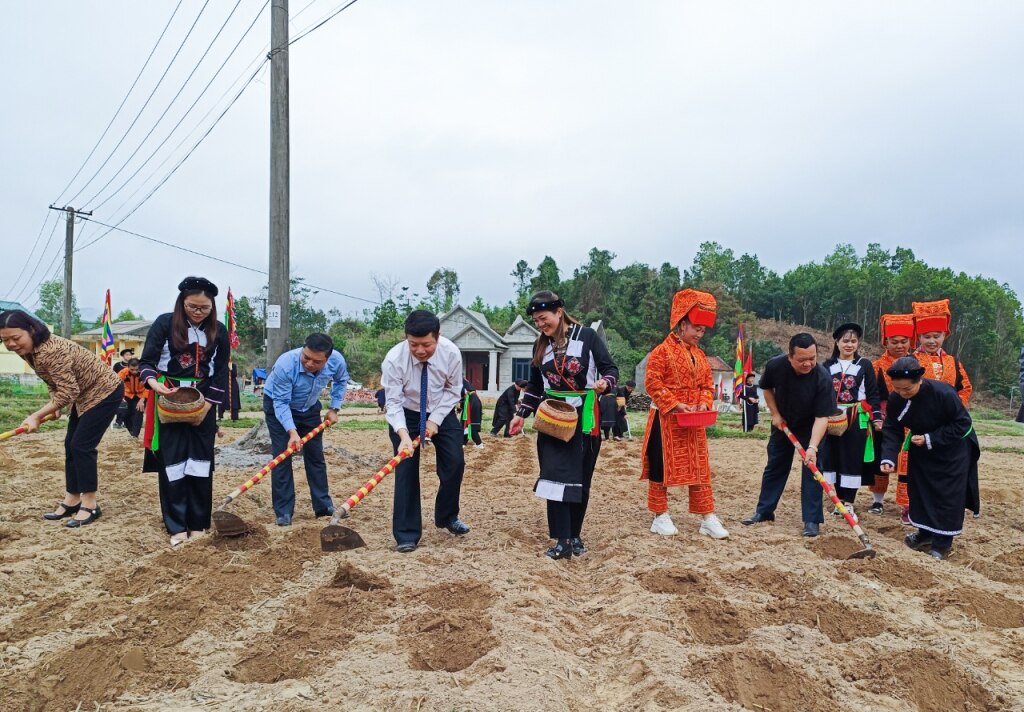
(679, 380)
(571, 367)
(185, 364)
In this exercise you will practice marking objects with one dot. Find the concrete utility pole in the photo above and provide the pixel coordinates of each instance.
(69, 251)
(280, 270)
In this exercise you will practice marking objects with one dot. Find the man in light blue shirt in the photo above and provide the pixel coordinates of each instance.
(291, 403)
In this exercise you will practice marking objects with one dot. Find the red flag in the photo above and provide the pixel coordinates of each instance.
(748, 366)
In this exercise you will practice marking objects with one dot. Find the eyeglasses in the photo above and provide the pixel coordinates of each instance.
(199, 309)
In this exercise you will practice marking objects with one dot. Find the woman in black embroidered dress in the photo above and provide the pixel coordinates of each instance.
(568, 359)
(848, 460)
(185, 347)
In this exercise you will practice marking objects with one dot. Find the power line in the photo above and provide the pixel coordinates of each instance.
(217, 259)
(32, 252)
(121, 106)
(170, 104)
(148, 99)
(208, 131)
(323, 22)
(182, 161)
(187, 111)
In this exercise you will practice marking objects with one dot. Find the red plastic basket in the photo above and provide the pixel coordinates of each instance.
(697, 419)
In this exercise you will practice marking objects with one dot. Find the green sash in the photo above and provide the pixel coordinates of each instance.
(589, 397)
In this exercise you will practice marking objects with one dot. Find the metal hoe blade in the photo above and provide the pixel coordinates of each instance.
(338, 538)
(868, 553)
(230, 525)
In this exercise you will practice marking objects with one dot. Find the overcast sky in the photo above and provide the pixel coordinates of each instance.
(474, 134)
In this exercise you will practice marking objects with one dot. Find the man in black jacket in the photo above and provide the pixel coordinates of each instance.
(505, 408)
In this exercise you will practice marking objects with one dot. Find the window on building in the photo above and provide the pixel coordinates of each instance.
(520, 369)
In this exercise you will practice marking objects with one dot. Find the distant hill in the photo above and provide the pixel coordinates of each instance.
(781, 332)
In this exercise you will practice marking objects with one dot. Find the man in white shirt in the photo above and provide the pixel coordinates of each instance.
(422, 380)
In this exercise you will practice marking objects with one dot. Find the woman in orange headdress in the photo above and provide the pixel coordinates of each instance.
(897, 332)
(679, 379)
(931, 325)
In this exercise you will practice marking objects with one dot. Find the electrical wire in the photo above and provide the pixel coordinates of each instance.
(323, 22)
(28, 260)
(170, 104)
(220, 259)
(181, 162)
(187, 112)
(121, 106)
(144, 105)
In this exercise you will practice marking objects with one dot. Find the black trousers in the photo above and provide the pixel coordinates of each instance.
(282, 479)
(500, 423)
(474, 433)
(565, 519)
(407, 518)
(133, 417)
(81, 440)
(776, 472)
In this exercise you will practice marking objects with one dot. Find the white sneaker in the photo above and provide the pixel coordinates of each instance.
(663, 525)
(713, 528)
(479, 447)
(849, 508)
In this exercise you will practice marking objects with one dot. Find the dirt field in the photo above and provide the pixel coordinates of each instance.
(108, 617)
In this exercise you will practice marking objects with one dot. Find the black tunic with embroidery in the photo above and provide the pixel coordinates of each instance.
(943, 473)
(186, 449)
(585, 361)
(843, 458)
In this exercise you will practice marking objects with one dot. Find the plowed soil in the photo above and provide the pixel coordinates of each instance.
(109, 617)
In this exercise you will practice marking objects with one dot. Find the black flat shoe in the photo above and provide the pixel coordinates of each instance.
(811, 529)
(578, 547)
(939, 554)
(918, 540)
(755, 518)
(406, 547)
(561, 550)
(69, 511)
(94, 514)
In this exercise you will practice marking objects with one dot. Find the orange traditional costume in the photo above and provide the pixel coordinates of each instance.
(892, 325)
(942, 366)
(678, 373)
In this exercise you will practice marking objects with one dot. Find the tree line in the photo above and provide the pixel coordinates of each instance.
(633, 304)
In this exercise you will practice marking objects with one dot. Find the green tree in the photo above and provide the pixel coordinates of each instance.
(128, 315)
(443, 289)
(546, 276)
(386, 317)
(51, 307)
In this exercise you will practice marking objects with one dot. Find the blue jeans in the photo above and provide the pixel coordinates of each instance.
(281, 477)
(776, 472)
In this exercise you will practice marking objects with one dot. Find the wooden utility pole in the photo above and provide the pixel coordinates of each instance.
(69, 251)
(279, 288)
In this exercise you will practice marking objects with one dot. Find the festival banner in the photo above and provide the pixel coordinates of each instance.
(737, 379)
(107, 337)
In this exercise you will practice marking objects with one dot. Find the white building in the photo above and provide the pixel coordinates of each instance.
(491, 361)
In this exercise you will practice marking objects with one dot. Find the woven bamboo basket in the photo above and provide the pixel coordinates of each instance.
(557, 419)
(185, 405)
(838, 422)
